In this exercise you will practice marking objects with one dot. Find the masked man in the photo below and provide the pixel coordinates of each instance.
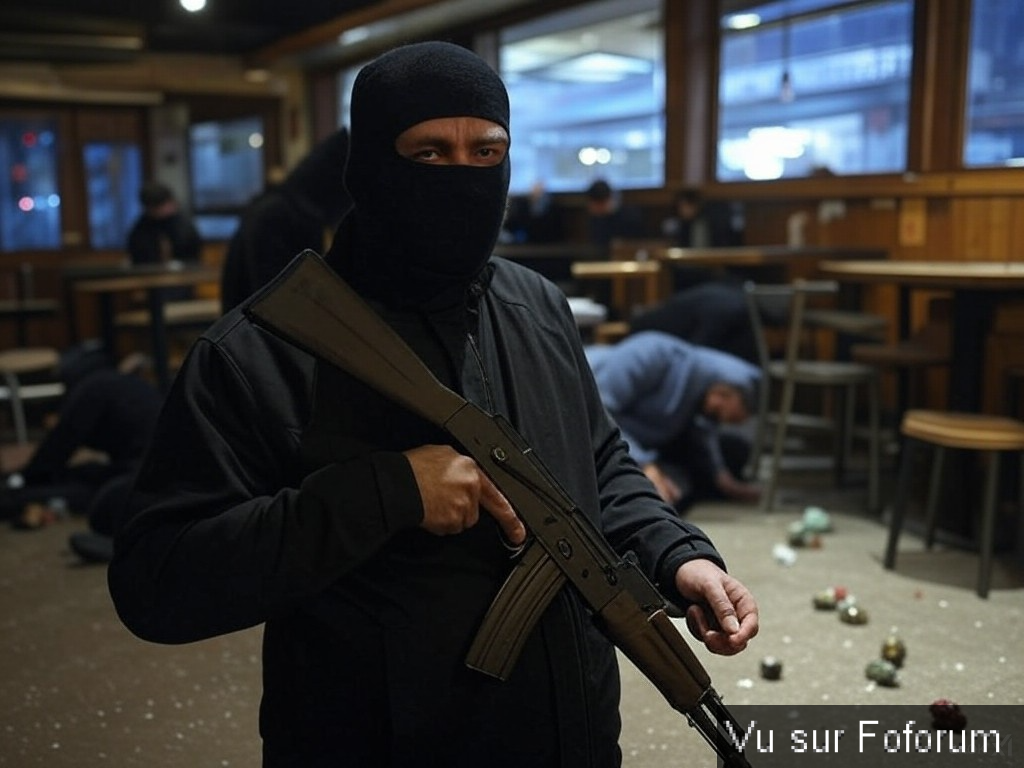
(281, 490)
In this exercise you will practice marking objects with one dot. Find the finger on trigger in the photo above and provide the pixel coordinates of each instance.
(494, 501)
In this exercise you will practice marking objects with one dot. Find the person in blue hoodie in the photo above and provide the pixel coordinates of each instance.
(669, 398)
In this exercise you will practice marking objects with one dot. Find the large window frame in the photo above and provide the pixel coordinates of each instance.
(994, 91)
(808, 87)
(587, 92)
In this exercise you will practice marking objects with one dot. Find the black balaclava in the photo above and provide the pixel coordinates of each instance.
(418, 234)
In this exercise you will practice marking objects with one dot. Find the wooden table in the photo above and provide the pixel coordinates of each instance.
(553, 260)
(153, 281)
(976, 286)
(624, 276)
(758, 256)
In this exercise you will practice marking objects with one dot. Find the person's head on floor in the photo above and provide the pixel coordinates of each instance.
(728, 403)
(428, 173)
(157, 200)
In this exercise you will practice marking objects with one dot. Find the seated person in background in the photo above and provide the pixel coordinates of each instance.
(286, 219)
(163, 232)
(608, 219)
(711, 314)
(108, 411)
(531, 218)
(668, 398)
(696, 223)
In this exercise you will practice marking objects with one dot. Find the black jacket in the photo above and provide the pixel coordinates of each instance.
(174, 236)
(275, 492)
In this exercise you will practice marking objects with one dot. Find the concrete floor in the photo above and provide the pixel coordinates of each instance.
(77, 690)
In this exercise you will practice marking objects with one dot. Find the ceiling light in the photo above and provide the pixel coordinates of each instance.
(596, 67)
(743, 21)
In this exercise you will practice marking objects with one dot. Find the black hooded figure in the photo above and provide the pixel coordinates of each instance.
(285, 219)
(419, 234)
(280, 490)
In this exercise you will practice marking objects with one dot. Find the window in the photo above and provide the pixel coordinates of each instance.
(226, 164)
(814, 86)
(29, 197)
(113, 177)
(586, 88)
(995, 87)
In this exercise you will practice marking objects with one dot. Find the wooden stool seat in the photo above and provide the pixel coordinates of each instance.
(20, 362)
(973, 431)
(941, 430)
(28, 360)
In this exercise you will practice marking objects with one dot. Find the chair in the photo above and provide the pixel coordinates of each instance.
(781, 308)
(943, 430)
(24, 363)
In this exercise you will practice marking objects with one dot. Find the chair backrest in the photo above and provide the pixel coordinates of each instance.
(781, 307)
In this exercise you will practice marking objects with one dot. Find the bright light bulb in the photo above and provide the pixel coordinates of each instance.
(193, 5)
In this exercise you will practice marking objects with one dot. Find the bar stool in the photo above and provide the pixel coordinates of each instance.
(28, 361)
(942, 430)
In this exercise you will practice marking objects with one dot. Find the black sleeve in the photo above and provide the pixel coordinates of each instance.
(223, 537)
(634, 518)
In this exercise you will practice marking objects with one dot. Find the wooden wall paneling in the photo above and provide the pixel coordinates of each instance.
(1015, 248)
(1000, 231)
(981, 229)
(939, 234)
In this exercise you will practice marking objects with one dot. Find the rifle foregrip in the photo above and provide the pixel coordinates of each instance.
(530, 587)
(655, 646)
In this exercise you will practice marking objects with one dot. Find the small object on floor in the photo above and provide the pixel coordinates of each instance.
(841, 592)
(853, 614)
(894, 650)
(947, 716)
(882, 672)
(825, 600)
(35, 516)
(92, 547)
(816, 520)
(771, 668)
(845, 600)
(796, 536)
(783, 555)
(799, 536)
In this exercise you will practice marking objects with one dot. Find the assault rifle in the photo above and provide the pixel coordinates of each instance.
(310, 306)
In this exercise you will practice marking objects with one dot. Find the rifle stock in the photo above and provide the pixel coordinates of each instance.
(311, 306)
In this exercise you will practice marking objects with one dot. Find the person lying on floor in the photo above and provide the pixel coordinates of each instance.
(669, 398)
(109, 412)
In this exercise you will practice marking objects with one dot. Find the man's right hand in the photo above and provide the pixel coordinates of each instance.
(453, 488)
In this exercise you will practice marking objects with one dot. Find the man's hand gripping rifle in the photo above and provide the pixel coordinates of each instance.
(310, 306)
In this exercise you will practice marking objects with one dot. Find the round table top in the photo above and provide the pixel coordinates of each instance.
(990, 275)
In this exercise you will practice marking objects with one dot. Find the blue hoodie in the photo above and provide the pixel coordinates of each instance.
(653, 385)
